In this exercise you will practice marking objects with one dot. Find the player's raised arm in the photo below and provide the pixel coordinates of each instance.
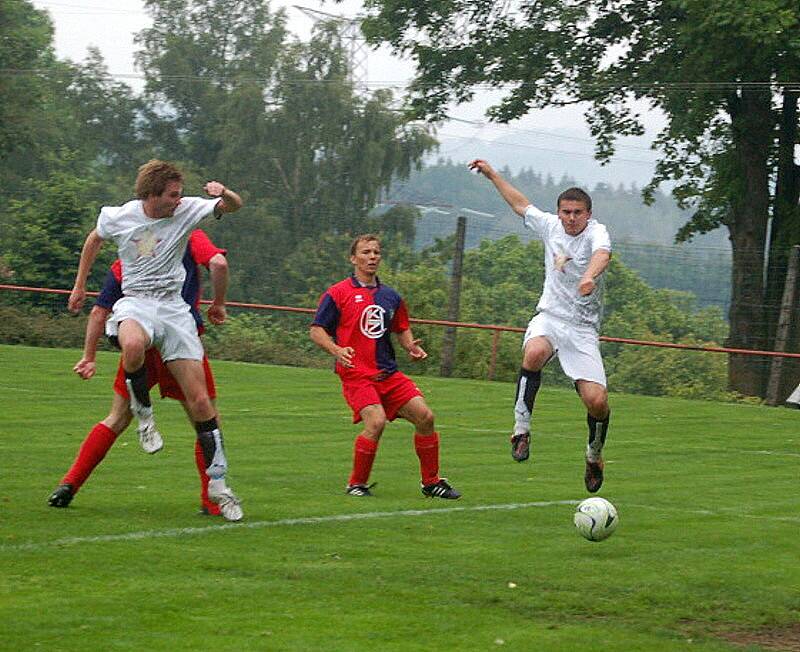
(514, 197)
(229, 200)
(91, 247)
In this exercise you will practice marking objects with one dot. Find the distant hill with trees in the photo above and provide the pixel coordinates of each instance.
(643, 236)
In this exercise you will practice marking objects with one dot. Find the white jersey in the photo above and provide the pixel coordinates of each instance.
(151, 250)
(566, 259)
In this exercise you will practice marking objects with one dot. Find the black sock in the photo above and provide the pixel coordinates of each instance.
(597, 432)
(533, 379)
(138, 380)
(205, 435)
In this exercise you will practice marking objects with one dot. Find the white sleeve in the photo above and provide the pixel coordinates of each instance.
(536, 220)
(103, 227)
(600, 238)
(197, 208)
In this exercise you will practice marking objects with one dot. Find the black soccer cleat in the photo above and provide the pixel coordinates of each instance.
(441, 489)
(521, 446)
(593, 478)
(61, 496)
(359, 489)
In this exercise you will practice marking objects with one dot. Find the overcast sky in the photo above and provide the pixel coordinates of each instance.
(554, 141)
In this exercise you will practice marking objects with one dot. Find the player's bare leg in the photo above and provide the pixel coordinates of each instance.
(365, 447)
(426, 445)
(133, 341)
(538, 351)
(595, 398)
(192, 380)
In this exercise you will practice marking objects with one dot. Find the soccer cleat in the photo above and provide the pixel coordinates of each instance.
(149, 438)
(593, 478)
(359, 489)
(521, 446)
(61, 496)
(441, 489)
(229, 505)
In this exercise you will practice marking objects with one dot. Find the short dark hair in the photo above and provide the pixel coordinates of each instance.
(364, 237)
(575, 194)
(154, 176)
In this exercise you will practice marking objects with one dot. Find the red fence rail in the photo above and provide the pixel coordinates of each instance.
(495, 328)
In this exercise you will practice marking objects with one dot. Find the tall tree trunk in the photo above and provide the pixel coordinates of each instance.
(751, 128)
(785, 233)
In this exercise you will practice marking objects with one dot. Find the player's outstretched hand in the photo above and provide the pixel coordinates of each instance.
(416, 352)
(586, 286)
(344, 355)
(479, 166)
(76, 299)
(85, 368)
(217, 314)
(214, 189)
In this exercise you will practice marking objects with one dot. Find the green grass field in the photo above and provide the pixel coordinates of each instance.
(707, 545)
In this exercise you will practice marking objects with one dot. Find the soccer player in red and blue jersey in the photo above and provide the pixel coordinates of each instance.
(353, 323)
(200, 251)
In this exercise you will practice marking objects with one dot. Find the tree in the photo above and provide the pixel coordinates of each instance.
(49, 230)
(26, 61)
(233, 93)
(724, 74)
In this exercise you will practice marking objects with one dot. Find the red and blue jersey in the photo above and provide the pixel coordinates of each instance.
(199, 251)
(362, 318)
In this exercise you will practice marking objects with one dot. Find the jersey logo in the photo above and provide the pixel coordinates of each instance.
(359, 299)
(560, 260)
(372, 322)
(146, 245)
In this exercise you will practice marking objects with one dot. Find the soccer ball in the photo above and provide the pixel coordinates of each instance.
(596, 519)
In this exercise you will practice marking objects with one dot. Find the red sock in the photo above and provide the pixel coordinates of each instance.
(427, 447)
(200, 460)
(364, 451)
(92, 451)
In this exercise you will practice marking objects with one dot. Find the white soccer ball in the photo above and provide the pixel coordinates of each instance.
(596, 519)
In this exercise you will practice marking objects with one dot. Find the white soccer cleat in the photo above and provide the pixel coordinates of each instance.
(229, 505)
(149, 437)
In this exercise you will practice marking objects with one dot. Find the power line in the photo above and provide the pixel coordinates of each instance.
(402, 84)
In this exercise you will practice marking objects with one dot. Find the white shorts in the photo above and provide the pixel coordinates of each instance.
(168, 323)
(577, 347)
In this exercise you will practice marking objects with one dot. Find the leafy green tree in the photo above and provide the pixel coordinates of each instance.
(27, 97)
(49, 230)
(722, 72)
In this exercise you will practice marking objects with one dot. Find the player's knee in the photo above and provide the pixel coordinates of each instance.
(133, 354)
(425, 420)
(198, 403)
(374, 426)
(597, 404)
(535, 360)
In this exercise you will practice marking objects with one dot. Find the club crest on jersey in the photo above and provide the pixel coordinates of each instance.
(372, 324)
(146, 245)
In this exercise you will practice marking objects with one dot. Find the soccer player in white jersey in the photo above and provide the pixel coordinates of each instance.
(577, 250)
(151, 234)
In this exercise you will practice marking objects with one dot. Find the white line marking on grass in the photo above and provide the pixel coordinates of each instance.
(306, 520)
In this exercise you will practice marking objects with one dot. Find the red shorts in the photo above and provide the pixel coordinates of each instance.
(393, 392)
(157, 373)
